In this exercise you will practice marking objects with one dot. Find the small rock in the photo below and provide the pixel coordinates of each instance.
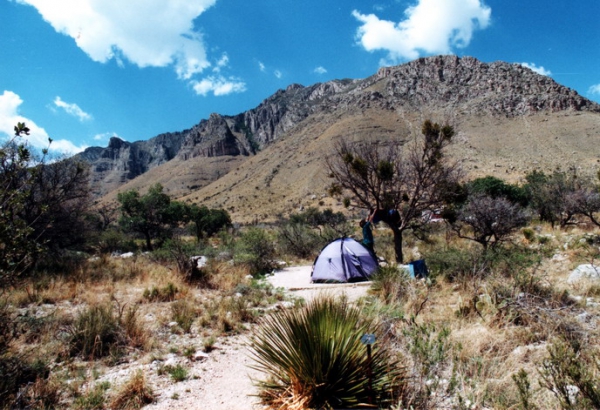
(585, 271)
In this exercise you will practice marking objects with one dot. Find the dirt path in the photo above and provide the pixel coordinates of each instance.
(223, 379)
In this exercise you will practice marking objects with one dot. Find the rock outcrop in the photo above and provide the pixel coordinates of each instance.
(444, 83)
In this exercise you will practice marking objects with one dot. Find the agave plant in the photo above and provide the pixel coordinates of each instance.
(313, 357)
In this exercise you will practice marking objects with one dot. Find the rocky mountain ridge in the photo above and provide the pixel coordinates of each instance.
(449, 86)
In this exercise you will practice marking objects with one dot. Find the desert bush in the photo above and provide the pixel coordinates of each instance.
(299, 240)
(178, 373)
(313, 357)
(114, 240)
(93, 399)
(255, 249)
(135, 332)
(184, 313)
(390, 283)
(96, 332)
(135, 394)
(572, 374)
(16, 370)
(168, 293)
(44, 393)
(457, 264)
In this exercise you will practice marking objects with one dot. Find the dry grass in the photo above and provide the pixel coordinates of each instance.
(135, 394)
(464, 340)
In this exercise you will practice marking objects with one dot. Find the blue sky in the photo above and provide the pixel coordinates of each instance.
(81, 71)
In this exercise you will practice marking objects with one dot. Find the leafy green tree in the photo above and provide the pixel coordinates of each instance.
(151, 215)
(42, 205)
(207, 222)
(406, 179)
(497, 188)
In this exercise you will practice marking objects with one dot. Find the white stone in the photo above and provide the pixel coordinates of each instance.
(585, 271)
(127, 255)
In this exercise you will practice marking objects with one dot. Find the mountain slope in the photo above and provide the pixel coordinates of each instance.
(269, 160)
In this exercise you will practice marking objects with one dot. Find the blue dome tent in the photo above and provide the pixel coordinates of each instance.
(343, 260)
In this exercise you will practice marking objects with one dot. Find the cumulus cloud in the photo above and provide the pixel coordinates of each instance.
(72, 109)
(594, 89)
(540, 70)
(153, 33)
(218, 85)
(430, 27)
(38, 137)
(320, 70)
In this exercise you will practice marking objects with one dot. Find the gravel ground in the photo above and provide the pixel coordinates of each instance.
(223, 380)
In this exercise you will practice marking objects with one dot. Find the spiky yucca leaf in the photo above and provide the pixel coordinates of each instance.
(314, 355)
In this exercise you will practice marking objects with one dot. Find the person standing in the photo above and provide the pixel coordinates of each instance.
(367, 232)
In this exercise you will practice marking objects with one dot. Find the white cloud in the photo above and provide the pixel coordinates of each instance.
(105, 136)
(38, 137)
(540, 70)
(278, 74)
(72, 109)
(218, 85)
(222, 63)
(154, 33)
(430, 27)
(594, 89)
(320, 70)
(261, 66)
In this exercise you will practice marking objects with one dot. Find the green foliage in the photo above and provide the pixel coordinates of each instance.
(307, 232)
(41, 205)
(184, 313)
(573, 375)
(15, 372)
(152, 215)
(497, 188)
(96, 332)
(165, 294)
(207, 222)
(314, 357)
(299, 240)
(255, 249)
(521, 380)
(389, 284)
(178, 373)
(94, 399)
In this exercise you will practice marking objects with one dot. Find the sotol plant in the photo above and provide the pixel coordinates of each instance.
(314, 357)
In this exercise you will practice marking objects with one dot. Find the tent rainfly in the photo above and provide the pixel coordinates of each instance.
(343, 260)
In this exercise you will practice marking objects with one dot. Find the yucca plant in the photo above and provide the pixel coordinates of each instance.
(314, 358)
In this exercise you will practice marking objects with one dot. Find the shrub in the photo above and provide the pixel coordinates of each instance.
(135, 394)
(255, 249)
(314, 357)
(16, 371)
(298, 240)
(94, 399)
(572, 375)
(96, 332)
(165, 294)
(178, 373)
(184, 314)
(390, 283)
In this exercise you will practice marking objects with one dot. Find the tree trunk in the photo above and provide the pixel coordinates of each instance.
(397, 244)
(148, 241)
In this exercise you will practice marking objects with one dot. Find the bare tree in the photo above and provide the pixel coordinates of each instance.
(402, 180)
(585, 201)
(489, 220)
